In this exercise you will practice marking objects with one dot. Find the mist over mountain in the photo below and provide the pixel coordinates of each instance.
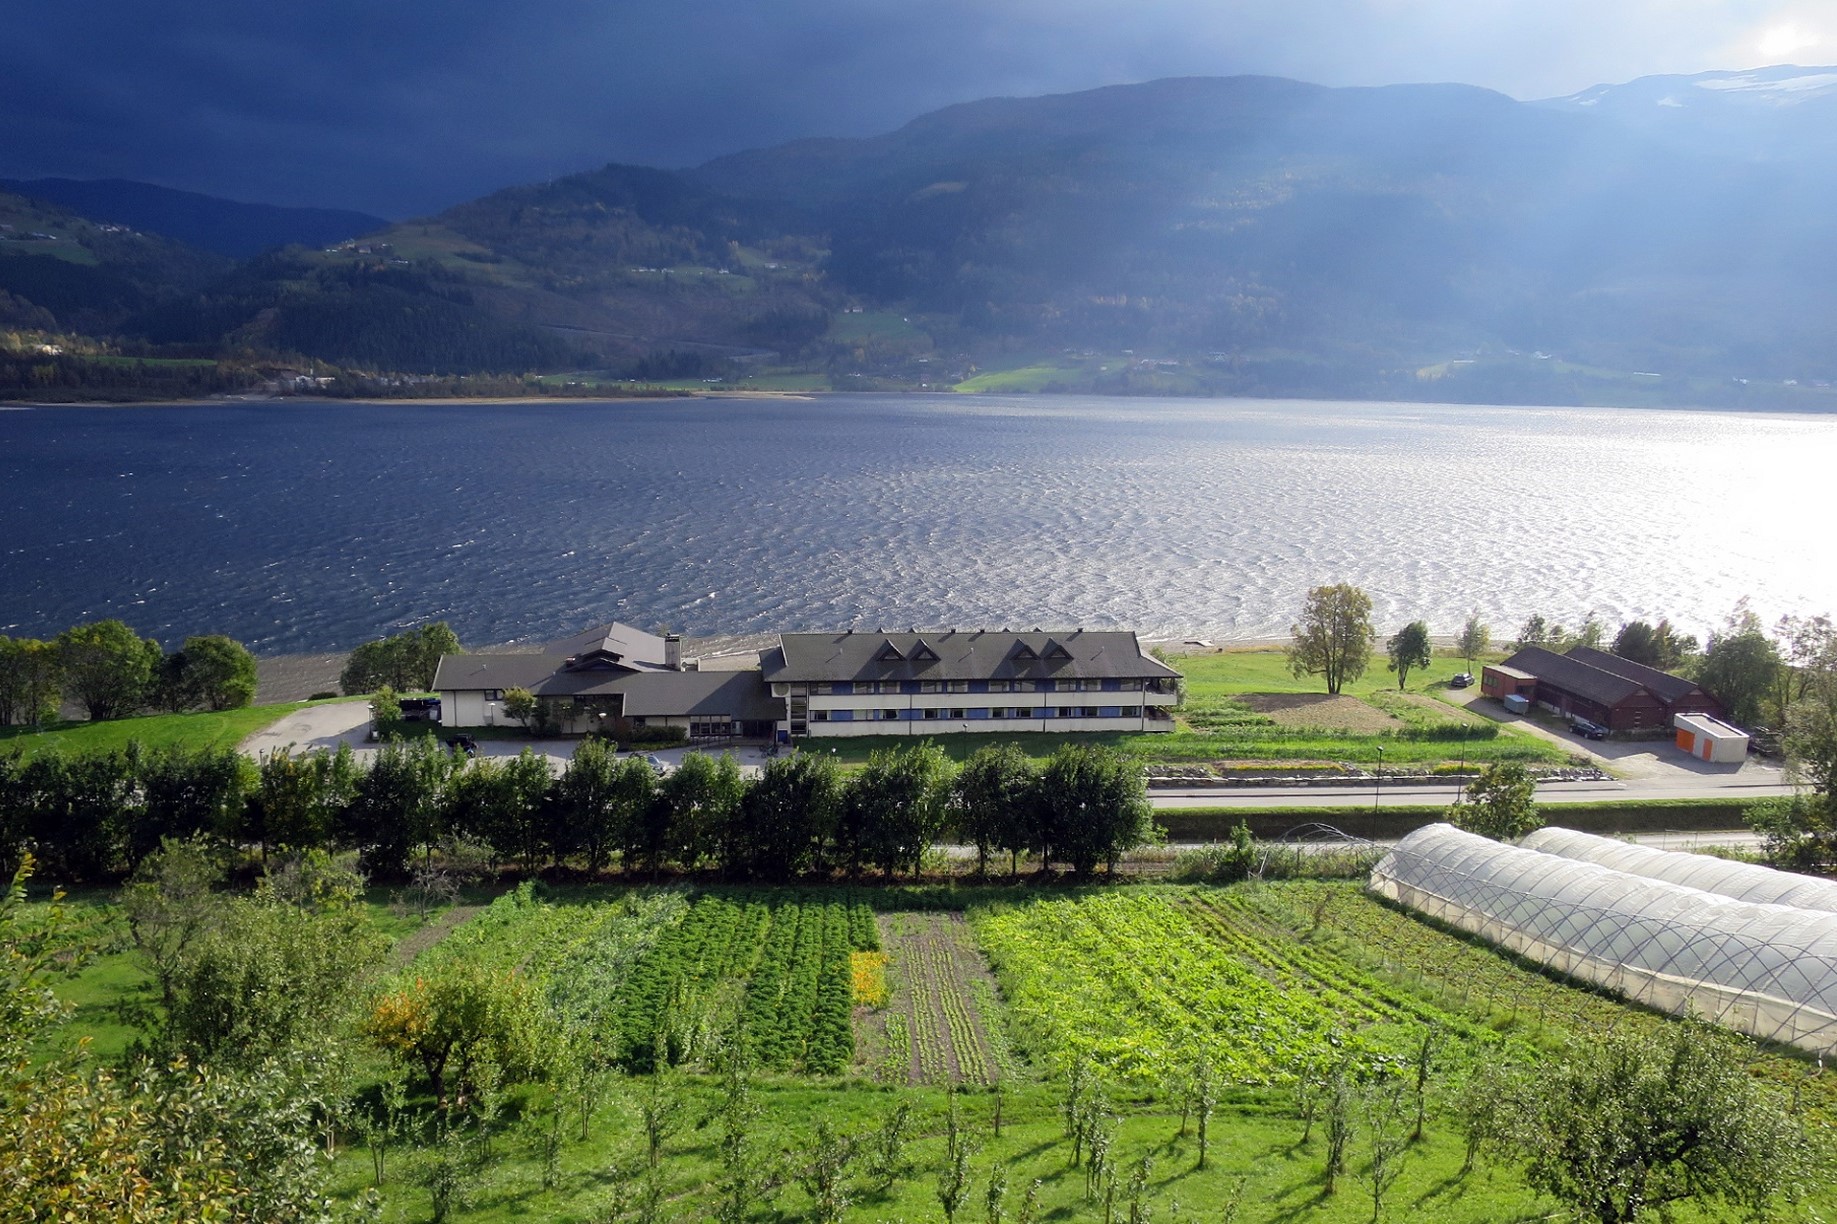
(1265, 235)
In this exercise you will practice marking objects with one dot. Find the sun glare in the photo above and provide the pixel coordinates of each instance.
(1778, 42)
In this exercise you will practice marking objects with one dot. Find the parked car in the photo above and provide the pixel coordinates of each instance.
(463, 745)
(656, 763)
(1461, 680)
(1586, 729)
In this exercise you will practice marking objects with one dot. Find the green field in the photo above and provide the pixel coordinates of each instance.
(198, 729)
(1001, 991)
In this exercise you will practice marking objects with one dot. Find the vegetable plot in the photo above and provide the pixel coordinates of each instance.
(1134, 984)
(774, 964)
(938, 1027)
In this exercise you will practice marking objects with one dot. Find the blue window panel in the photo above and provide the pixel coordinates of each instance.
(841, 716)
(979, 686)
(908, 686)
(976, 713)
(1046, 686)
(844, 688)
(1112, 686)
(1109, 711)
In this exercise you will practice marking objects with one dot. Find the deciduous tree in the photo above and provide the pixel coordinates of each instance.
(29, 681)
(1476, 637)
(1333, 637)
(521, 704)
(405, 662)
(1638, 1118)
(457, 1015)
(1537, 632)
(212, 671)
(894, 809)
(1740, 666)
(786, 817)
(703, 795)
(108, 668)
(993, 799)
(1501, 803)
(271, 974)
(1408, 649)
(587, 810)
(1093, 805)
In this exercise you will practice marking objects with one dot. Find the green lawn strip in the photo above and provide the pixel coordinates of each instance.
(199, 729)
(1591, 816)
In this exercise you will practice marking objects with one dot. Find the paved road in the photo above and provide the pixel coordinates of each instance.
(1754, 782)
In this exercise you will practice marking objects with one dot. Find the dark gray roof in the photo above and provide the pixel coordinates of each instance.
(597, 657)
(631, 645)
(652, 693)
(1574, 676)
(736, 694)
(493, 671)
(1665, 686)
(961, 654)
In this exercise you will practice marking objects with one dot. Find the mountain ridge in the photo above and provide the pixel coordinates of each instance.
(1259, 235)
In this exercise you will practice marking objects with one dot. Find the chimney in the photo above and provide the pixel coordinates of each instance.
(672, 651)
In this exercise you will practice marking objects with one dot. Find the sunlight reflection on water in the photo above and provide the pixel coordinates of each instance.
(314, 527)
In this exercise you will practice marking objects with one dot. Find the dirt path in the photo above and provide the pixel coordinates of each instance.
(414, 945)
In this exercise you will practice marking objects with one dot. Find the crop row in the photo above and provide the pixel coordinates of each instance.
(1481, 987)
(1294, 961)
(1131, 983)
(777, 968)
(947, 1010)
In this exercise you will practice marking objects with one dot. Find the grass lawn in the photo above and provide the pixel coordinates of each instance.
(199, 729)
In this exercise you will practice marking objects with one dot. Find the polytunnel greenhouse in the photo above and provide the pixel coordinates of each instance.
(1742, 881)
(1766, 970)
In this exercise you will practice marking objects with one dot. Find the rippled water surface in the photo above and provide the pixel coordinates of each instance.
(317, 526)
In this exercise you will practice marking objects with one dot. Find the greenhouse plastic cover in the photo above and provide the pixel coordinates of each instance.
(1766, 970)
(1742, 881)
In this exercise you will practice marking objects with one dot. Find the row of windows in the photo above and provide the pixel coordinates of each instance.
(862, 687)
(976, 713)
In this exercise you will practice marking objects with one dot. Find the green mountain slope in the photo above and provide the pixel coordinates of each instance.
(1243, 234)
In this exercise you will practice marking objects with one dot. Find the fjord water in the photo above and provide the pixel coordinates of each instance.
(309, 526)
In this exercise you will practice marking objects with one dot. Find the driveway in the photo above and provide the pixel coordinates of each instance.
(1652, 768)
(320, 726)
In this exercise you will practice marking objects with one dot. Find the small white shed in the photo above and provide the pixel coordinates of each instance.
(1711, 739)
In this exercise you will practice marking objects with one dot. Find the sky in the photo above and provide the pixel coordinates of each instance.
(403, 107)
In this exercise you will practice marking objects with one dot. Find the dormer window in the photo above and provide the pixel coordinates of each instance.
(923, 653)
(1056, 651)
(889, 653)
(1025, 653)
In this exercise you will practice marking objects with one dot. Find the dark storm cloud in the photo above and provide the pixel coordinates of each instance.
(403, 106)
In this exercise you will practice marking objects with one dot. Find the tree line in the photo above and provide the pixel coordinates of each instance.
(87, 817)
(112, 672)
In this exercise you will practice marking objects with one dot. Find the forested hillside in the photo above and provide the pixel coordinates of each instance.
(1237, 235)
